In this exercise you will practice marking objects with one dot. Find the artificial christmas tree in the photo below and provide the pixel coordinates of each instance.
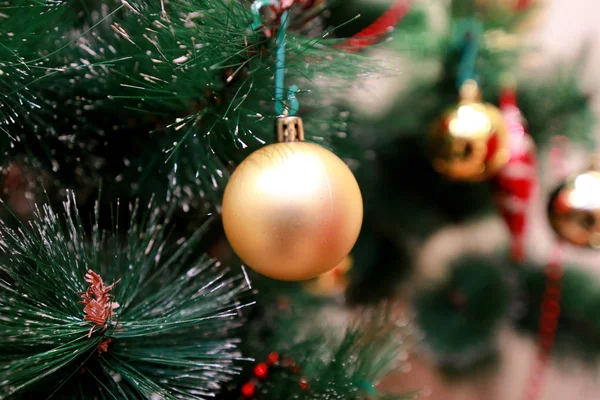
(122, 123)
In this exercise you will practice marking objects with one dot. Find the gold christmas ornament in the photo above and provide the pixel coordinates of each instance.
(292, 210)
(470, 141)
(574, 210)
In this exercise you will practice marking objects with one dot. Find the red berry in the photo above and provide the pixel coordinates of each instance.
(248, 390)
(288, 362)
(303, 383)
(261, 370)
(273, 358)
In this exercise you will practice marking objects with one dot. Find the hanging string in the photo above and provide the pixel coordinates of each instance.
(292, 101)
(285, 104)
(373, 33)
(469, 32)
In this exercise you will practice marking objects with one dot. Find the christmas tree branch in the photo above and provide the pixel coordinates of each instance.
(168, 317)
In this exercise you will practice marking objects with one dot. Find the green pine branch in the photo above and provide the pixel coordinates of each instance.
(346, 362)
(173, 333)
(185, 79)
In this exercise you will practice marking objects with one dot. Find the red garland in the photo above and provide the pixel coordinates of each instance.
(550, 311)
(382, 25)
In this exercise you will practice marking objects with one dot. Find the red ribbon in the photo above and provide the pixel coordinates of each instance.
(378, 29)
(524, 4)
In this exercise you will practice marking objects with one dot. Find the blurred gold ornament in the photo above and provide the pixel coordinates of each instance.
(292, 210)
(470, 141)
(574, 209)
(331, 283)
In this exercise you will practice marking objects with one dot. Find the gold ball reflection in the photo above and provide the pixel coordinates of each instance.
(292, 211)
(574, 210)
(470, 142)
(331, 283)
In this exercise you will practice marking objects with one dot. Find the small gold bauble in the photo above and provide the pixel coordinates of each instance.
(292, 211)
(470, 141)
(574, 210)
(331, 283)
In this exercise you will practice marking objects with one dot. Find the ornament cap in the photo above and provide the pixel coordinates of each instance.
(469, 91)
(290, 129)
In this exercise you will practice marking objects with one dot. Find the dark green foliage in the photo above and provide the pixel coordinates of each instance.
(414, 199)
(460, 318)
(173, 333)
(29, 30)
(378, 266)
(557, 106)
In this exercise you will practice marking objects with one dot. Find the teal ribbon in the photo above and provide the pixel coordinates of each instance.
(368, 387)
(282, 99)
(467, 40)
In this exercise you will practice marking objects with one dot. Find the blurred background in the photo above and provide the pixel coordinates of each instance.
(559, 33)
